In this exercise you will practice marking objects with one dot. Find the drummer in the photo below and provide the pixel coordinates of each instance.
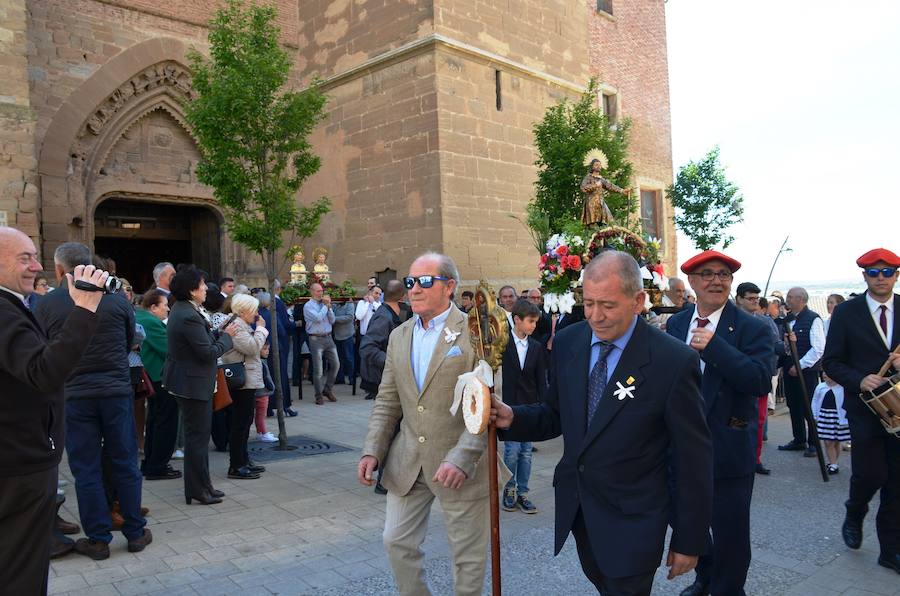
(862, 333)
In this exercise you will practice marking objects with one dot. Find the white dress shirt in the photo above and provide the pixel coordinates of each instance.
(522, 349)
(875, 309)
(364, 312)
(816, 340)
(713, 323)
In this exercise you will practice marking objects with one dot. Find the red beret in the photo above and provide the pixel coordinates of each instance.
(878, 254)
(693, 263)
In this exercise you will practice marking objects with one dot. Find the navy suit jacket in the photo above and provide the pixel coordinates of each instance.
(617, 469)
(739, 368)
(853, 350)
(524, 385)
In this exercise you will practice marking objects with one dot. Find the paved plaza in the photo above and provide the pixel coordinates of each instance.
(307, 527)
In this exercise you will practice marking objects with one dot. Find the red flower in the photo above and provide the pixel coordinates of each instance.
(562, 264)
(543, 261)
(562, 250)
(574, 262)
(552, 268)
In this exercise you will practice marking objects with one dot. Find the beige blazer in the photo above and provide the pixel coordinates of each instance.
(247, 345)
(429, 434)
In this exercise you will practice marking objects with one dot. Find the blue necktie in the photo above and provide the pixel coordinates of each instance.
(597, 381)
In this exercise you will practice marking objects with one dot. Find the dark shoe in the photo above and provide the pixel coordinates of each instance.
(255, 468)
(833, 469)
(206, 499)
(890, 561)
(168, 474)
(291, 412)
(329, 394)
(242, 474)
(852, 532)
(217, 493)
(696, 589)
(67, 527)
(95, 549)
(139, 544)
(319, 400)
(792, 446)
(380, 490)
(810, 452)
(370, 396)
(526, 505)
(60, 546)
(761, 469)
(509, 500)
(534, 449)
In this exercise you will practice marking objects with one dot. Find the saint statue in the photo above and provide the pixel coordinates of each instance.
(320, 268)
(298, 269)
(595, 210)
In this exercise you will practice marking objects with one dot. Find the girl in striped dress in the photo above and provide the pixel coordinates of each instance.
(831, 420)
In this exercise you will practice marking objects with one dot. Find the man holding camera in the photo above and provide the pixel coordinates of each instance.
(99, 412)
(32, 372)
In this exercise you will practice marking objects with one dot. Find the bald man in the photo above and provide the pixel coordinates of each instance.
(32, 373)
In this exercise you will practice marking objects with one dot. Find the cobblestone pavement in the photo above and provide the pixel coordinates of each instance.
(307, 527)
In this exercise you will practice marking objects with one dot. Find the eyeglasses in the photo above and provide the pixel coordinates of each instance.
(707, 275)
(424, 281)
(886, 272)
(42, 284)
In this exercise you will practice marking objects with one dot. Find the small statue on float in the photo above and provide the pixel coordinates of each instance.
(298, 269)
(595, 210)
(320, 255)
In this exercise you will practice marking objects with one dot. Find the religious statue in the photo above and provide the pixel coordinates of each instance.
(298, 269)
(320, 268)
(595, 210)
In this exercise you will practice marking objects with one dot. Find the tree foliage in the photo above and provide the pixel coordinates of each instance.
(706, 202)
(563, 137)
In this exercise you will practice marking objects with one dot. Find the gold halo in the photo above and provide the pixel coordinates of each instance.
(598, 155)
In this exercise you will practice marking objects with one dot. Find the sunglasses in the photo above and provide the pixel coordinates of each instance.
(424, 281)
(886, 272)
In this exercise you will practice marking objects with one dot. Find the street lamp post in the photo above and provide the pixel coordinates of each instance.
(775, 262)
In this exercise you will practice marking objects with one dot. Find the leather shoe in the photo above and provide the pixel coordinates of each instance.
(256, 469)
(60, 546)
(696, 589)
(67, 527)
(243, 473)
(95, 549)
(810, 452)
(792, 446)
(761, 469)
(329, 394)
(205, 499)
(890, 561)
(291, 412)
(852, 532)
(319, 400)
(139, 544)
(167, 474)
(217, 493)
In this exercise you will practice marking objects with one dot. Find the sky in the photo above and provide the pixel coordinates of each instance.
(803, 98)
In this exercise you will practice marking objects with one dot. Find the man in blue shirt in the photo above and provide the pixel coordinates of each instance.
(319, 320)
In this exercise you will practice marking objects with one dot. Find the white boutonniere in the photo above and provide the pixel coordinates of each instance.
(622, 392)
(449, 335)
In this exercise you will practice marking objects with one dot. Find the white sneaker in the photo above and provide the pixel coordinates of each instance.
(266, 437)
(179, 454)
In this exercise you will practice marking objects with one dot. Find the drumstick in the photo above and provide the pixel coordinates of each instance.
(887, 363)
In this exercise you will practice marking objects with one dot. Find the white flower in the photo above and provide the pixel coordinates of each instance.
(646, 274)
(660, 281)
(449, 335)
(566, 302)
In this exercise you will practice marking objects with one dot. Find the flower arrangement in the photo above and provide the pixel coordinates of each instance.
(294, 293)
(561, 269)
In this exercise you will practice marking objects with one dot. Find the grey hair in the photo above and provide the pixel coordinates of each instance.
(446, 266)
(624, 267)
(276, 284)
(265, 299)
(241, 289)
(675, 281)
(804, 295)
(71, 254)
(160, 267)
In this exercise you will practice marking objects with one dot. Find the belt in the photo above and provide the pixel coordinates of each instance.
(319, 334)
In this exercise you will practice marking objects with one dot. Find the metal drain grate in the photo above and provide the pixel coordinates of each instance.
(303, 446)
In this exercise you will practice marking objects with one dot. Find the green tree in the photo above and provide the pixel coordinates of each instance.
(563, 137)
(706, 203)
(254, 140)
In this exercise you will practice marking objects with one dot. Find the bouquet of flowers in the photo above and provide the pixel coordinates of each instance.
(561, 270)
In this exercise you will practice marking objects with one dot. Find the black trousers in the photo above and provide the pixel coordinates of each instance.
(876, 466)
(635, 585)
(796, 402)
(197, 417)
(243, 405)
(724, 566)
(27, 516)
(162, 430)
(221, 428)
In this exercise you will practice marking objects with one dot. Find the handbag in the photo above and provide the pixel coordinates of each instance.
(235, 375)
(222, 397)
(144, 387)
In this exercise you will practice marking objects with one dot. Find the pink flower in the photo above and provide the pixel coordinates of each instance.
(552, 268)
(562, 250)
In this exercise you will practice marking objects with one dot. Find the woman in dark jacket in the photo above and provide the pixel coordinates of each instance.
(190, 375)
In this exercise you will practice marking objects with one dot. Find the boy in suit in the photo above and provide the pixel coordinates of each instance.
(524, 382)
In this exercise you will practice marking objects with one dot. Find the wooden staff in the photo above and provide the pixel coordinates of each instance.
(813, 433)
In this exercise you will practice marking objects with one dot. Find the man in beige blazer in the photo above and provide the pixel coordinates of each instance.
(433, 455)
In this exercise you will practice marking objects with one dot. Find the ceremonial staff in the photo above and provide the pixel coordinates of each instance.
(489, 334)
(813, 433)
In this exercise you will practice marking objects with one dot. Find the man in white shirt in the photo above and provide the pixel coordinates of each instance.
(366, 307)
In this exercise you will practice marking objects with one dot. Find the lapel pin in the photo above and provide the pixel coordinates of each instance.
(629, 380)
(731, 328)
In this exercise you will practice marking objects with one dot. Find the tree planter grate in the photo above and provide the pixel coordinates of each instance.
(301, 447)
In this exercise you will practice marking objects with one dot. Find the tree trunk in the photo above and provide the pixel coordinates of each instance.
(276, 360)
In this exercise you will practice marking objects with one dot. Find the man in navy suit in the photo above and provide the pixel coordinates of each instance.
(626, 399)
(737, 361)
(862, 333)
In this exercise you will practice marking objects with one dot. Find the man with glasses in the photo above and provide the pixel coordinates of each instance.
(807, 330)
(737, 359)
(861, 337)
(433, 455)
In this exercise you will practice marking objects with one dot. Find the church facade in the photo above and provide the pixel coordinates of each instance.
(427, 142)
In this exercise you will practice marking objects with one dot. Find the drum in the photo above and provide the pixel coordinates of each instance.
(885, 402)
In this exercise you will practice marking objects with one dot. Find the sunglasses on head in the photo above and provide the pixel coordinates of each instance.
(424, 281)
(885, 271)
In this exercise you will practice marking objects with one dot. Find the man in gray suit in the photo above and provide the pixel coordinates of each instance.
(433, 455)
